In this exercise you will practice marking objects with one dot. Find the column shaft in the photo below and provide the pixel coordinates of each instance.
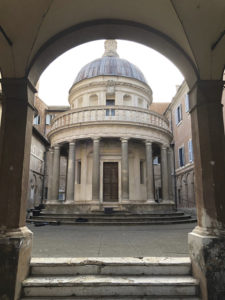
(15, 141)
(124, 169)
(171, 174)
(96, 170)
(207, 240)
(50, 173)
(70, 173)
(164, 173)
(149, 172)
(56, 172)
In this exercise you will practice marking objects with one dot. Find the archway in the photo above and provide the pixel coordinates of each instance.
(112, 29)
(205, 93)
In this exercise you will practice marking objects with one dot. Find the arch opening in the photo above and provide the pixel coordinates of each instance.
(112, 29)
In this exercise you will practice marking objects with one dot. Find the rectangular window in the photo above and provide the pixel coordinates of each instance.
(187, 107)
(48, 119)
(178, 114)
(141, 172)
(181, 156)
(110, 112)
(79, 172)
(156, 160)
(110, 102)
(190, 151)
(37, 120)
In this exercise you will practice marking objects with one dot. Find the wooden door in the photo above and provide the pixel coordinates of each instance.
(110, 181)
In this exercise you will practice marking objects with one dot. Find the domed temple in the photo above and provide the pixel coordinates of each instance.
(116, 150)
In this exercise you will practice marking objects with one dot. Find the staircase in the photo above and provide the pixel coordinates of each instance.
(110, 278)
(114, 218)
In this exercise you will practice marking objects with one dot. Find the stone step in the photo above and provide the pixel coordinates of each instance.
(115, 218)
(115, 213)
(116, 298)
(102, 285)
(102, 223)
(111, 266)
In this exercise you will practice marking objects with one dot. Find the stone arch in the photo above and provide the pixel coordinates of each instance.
(111, 29)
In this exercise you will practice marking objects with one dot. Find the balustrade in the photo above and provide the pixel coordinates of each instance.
(120, 114)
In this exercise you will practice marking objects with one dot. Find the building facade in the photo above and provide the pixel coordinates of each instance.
(110, 139)
(178, 114)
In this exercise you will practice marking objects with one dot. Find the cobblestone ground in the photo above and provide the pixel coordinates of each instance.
(82, 241)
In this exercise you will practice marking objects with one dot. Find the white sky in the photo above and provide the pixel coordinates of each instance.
(161, 74)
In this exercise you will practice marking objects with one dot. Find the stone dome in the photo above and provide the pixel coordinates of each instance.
(110, 64)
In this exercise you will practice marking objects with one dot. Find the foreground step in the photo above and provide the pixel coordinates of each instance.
(99, 285)
(111, 266)
(116, 218)
(115, 298)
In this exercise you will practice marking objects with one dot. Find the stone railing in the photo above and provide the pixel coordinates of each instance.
(113, 114)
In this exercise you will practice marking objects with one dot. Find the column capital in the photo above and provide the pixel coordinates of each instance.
(206, 92)
(164, 147)
(124, 139)
(56, 147)
(72, 142)
(148, 142)
(96, 139)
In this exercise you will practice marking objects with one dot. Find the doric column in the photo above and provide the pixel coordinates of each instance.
(70, 173)
(207, 240)
(96, 170)
(164, 173)
(171, 175)
(15, 142)
(56, 170)
(124, 169)
(149, 172)
(50, 173)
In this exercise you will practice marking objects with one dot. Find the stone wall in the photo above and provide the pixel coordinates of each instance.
(181, 136)
(37, 173)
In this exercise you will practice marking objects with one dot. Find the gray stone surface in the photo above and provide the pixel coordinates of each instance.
(95, 241)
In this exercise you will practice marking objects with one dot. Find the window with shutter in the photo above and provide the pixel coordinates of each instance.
(178, 114)
(190, 150)
(181, 156)
(187, 108)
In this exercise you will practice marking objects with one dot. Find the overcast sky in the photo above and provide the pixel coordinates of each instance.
(161, 74)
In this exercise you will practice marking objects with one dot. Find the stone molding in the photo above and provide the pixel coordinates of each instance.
(83, 87)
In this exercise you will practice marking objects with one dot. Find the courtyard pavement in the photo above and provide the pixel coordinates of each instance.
(96, 241)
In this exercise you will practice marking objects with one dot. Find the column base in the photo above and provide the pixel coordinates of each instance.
(207, 254)
(151, 201)
(15, 254)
